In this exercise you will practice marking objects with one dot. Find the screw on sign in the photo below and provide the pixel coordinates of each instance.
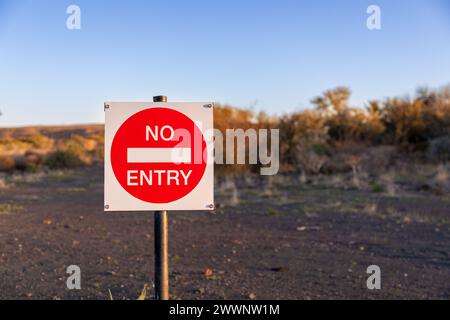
(158, 156)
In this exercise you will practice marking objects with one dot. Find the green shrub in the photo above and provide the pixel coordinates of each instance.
(63, 159)
(29, 162)
(378, 188)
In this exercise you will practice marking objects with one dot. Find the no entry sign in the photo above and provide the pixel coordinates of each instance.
(158, 156)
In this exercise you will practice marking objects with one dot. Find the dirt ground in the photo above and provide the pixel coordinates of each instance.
(286, 242)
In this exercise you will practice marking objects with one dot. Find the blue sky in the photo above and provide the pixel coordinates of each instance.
(270, 55)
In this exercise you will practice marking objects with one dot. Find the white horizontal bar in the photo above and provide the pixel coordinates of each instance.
(159, 155)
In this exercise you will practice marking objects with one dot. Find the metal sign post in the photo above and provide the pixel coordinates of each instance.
(161, 244)
(161, 257)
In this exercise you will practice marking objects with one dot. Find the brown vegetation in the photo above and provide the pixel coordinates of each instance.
(33, 148)
(332, 137)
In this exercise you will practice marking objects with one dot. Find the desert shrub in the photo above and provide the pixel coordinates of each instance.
(63, 159)
(337, 162)
(346, 123)
(414, 122)
(227, 117)
(372, 127)
(98, 138)
(33, 158)
(436, 111)
(303, 137)
(40, 141)
(20, 163)
(75, 145)
(404, 121)
(377, 158)
(333, 107)
(7, 163)
(311, 162)
(27, 131)
(81, 147)
(5, 134)
(439, 149)
(29, 162)
(98, 154)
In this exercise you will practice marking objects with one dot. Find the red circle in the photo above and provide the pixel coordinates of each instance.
(132, 134)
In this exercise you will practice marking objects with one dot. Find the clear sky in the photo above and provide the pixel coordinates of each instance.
(269, 55)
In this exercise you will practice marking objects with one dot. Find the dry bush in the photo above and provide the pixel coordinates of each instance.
(30, 161)
(323, 140)
(378, 158)
(414, 122)
(436, 111)
(39, 141)
(404, 121)
(347, 123)
(348, 157)
(310, 162)
(439, 149)
(63, 159)
(5, 134)
(303, 139)
(34, 158)
(227, 117)
(70, 153)
(13, 147)
(98, 151)
(371, 127)
(81, 148)
(7, 163)
(26, 132)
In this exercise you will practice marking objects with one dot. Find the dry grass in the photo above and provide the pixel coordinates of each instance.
(31, 148)
(10, 208)
(142, 296)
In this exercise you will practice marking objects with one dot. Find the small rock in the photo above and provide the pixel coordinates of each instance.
(208, 272)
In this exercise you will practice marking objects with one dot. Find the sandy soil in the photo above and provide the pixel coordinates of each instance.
(289, 243)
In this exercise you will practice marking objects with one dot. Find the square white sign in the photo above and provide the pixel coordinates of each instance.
(159, 156)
